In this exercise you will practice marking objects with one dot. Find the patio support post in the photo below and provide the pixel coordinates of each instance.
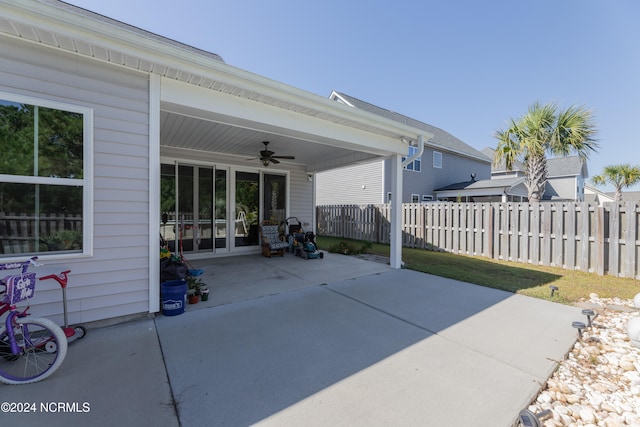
(396, 212)
(154, 192)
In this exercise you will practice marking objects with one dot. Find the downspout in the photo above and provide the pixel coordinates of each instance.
(417, 154)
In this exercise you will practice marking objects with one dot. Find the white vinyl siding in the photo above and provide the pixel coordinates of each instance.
(301, 199)
(358, 184)
(114, 281)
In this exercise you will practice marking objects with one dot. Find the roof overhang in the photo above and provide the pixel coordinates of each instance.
(198, 85)
(493, 187)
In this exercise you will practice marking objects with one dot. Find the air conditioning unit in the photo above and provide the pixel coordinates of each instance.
(427, 198)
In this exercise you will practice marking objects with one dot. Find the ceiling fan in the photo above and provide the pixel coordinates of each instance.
(267, 156)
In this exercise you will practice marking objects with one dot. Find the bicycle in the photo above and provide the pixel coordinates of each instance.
(31, 349)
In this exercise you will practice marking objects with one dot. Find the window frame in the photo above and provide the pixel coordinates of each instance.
(437, 164)
(86, 182)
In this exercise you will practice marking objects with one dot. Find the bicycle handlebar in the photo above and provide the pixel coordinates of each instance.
(24, 264)
(60, 278)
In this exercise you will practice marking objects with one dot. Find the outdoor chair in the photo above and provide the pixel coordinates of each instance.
(270, 239)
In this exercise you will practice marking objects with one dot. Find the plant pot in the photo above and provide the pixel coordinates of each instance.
(204, 294)
(193, 298)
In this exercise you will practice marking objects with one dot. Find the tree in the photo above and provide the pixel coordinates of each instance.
(620, 176)
(545, 130)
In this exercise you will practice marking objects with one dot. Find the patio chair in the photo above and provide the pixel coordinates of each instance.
(270, 239)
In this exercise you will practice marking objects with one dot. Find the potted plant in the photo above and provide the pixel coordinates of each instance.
(204, 293)
(194, 285)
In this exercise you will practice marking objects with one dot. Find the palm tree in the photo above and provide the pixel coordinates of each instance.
(620, 176)
(544, 130)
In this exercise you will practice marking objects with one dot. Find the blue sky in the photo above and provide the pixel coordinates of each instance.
(464, 66)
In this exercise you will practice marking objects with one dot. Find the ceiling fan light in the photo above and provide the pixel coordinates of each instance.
(265, 162)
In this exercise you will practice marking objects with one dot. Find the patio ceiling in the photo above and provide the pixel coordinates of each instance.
(242, 145)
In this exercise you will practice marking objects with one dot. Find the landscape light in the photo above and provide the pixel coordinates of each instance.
(579, 326)
(529, 419)
(588, 312)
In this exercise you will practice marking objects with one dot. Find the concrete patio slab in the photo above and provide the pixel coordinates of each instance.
(372, 347)
(528, 333)
(113, 376)
(395, 348)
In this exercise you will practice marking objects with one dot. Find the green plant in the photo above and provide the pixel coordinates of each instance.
(351, 247)
(194, 284)
(543, 130)
(64, 240)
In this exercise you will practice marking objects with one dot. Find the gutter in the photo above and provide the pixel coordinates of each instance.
(417, 154)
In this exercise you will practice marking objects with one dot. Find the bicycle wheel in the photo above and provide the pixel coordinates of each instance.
(42, 345)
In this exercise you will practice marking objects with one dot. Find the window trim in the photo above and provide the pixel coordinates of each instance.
(437, 155)
(87, 172)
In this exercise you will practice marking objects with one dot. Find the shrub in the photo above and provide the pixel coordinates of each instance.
(351, 248)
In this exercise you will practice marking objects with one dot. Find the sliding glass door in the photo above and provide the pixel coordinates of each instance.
(207, 209)
(247, 212)
(188, 224)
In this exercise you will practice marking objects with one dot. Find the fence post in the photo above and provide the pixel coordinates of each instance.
(599, 241)
(489, 230)
(630, 240)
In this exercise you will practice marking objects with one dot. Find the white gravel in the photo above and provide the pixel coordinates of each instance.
(598, 384)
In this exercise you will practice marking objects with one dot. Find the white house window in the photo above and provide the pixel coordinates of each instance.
(416, 164)
(44, 189)
(437, 160)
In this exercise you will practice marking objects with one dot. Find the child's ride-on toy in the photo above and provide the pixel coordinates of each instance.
(71, 332)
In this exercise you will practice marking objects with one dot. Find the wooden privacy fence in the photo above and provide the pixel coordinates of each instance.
(576, 236)
(18, 231)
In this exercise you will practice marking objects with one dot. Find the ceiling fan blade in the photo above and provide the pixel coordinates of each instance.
(283, 157)
(274, 161)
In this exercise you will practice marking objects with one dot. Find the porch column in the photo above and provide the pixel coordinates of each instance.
(396, 212)
(154, 192)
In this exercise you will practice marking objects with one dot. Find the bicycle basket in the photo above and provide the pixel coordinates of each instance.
(19, 287)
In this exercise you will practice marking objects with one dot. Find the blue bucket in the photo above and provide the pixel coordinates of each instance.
(174, 297)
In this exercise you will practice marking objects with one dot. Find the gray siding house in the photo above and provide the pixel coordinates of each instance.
(445, 159)
(112, 136)
(566, 182)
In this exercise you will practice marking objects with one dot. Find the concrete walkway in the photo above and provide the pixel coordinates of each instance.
(391, 348)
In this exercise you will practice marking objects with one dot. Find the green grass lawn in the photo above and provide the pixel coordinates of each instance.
(509, 276)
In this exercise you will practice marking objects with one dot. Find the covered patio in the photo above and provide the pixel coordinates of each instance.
(172, 129)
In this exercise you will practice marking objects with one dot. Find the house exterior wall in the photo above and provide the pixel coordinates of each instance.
(455, 168)
(358, 184)
(114, 281)
(562, 187)
(301, 199)
(344, 186)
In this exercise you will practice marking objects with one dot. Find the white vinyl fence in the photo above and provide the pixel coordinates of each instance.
(579, 236)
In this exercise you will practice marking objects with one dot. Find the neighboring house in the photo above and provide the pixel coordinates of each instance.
(444, 159)
(112, 135)
(502, 189)
(566, 181)
(595, 195)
